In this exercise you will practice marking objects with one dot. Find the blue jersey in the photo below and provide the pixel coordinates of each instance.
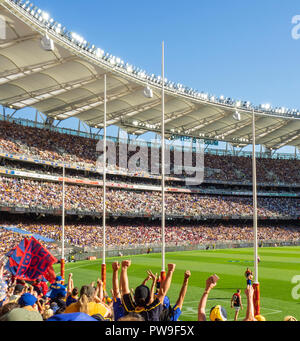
(56, 290)
(70, 300)
(175, 313)
(118, 309)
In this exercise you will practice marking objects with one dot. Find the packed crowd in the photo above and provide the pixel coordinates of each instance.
(127, 235)
(36, 301)
(36, 194)
(48, 145)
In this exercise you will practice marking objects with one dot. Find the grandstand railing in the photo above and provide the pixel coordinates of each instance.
(87, 252)
(39, 176)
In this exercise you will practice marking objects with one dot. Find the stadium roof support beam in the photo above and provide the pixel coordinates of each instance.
(284, 141)
(19, 73)
(205, 122)
(122, 115)
(92, 101)
(236, 126)
(46, 93)
(269, 130)
(9, 43)
(180, 113)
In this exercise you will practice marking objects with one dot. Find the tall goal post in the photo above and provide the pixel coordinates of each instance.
(163, 214)
(103, 265)
(256, 287)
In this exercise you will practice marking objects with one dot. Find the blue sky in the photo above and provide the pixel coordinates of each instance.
(239, 49)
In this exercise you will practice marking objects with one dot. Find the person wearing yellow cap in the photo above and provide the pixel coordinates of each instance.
(217, 313)
(259, 318)
(289, 318)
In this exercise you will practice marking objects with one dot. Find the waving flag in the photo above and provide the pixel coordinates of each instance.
(15, 255)
(30, 260)
(50, 274)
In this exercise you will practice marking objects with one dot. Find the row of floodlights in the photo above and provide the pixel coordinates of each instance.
(55, 27)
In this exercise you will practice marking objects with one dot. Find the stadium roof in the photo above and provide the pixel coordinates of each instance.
(68, 82)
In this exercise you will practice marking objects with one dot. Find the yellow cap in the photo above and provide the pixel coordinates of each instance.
(289, 318)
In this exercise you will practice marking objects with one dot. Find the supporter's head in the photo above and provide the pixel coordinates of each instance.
(289, 318)
(27, 300)
(75, 292)
(48, 313)
(87, 293)
(142, 295)
(58, 279)
(19, 288)
(54, 307)
(259, 318)
(99, 317)
(21, 281)
(21, 314)
(218, 313)
(8, 307)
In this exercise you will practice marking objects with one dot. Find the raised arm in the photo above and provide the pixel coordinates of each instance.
(99, 294)
(165, 285)
(124, 277)
(210, 284)
(70, 284)
(115, 280)
(146, 279)
(183, 290)
(250, 306)
(153, 286)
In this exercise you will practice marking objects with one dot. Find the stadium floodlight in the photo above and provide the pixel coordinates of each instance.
(266, 106)
(129, 68)
(34, 10)
(28, 7)
(45, 16)
(47, 43)
(99, 53)
(148, 92)
(25, 3)
(58, 29)
(236, 116)
(112, 60)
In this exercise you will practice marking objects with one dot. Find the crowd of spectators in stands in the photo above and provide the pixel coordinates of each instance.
(129, 235)
(54, 146)
(36, 194)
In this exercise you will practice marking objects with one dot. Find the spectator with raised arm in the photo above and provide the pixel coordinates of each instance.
(140, 302)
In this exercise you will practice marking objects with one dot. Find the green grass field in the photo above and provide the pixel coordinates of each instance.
(277, 268)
